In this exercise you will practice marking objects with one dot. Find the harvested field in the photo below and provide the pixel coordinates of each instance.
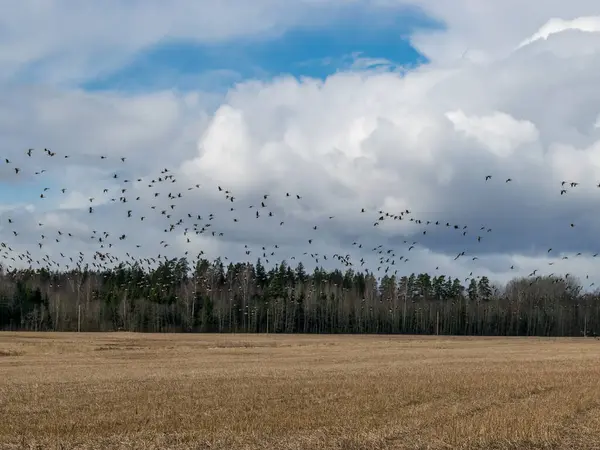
(190, 391)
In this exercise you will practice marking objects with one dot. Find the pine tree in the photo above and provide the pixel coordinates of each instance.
(261, 274)
(472, 290)
(484, 289)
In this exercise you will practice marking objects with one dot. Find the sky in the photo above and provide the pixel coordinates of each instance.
(383, 105)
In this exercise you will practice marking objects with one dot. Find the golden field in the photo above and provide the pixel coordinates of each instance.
(198, 391)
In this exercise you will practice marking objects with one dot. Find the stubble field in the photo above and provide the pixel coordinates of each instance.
(122, 391)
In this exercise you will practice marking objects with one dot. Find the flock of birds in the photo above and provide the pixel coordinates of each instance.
(150, 201)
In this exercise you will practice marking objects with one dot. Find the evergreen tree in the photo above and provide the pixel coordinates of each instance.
(472, 290)
(484, 289)
(246, 298)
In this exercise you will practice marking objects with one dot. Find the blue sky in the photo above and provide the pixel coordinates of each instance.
(305, 51)
(313, 51)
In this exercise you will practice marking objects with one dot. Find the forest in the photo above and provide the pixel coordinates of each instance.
(247, 298)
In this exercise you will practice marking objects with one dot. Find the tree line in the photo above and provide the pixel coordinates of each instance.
(247, 298)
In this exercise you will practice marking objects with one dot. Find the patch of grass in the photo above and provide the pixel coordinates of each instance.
(242, 344)
(91, 391)
(118, 347)
(10, 353)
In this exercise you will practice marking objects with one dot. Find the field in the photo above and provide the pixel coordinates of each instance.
(122, 390)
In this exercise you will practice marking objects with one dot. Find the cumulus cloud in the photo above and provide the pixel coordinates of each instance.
(499, 132)
(421, 141)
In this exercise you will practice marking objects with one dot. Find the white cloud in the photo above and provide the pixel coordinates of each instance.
(556, 25)
(421, 141)
(500, 132)
(489, 30)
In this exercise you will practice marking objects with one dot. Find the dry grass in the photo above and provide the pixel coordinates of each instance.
(121, 390)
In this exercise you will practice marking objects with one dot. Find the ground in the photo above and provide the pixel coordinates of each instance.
(199, 391)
